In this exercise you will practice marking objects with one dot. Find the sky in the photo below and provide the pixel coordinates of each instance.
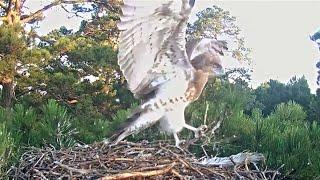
(276, 31)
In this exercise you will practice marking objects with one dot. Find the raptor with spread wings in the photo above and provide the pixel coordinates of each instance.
(160, 66)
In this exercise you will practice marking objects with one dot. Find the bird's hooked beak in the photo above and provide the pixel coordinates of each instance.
(221, 52)
(218, 71)
(223, 47)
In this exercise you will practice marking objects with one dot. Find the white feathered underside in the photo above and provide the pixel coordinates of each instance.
(146, 26)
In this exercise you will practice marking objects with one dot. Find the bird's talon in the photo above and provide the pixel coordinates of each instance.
(181, 142)
(201, 130)
(180, 148)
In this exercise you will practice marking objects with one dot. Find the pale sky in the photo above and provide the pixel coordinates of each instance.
(277, 31)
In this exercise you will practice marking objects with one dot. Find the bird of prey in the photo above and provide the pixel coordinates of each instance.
(160, 67)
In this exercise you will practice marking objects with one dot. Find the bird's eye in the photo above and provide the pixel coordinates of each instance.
(216, 65)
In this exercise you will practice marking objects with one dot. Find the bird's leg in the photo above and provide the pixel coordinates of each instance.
(198, 132)
(178, 141)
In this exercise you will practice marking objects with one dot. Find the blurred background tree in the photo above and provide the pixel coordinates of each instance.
(214, 22)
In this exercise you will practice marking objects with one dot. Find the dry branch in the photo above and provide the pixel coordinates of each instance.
(136, 175)
(39, 13)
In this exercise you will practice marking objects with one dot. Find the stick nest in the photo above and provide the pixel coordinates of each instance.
(127, 160)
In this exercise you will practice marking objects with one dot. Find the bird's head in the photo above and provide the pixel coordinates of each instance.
(219, 46)
(206, 56)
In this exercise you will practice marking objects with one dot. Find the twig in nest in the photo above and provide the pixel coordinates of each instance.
(261, 172)
(235, 171)
(183, 162)
(81, 171)
(174, 172)
(34, 165)
(139, 174)
(277, 171)
(40, 173)
(214, 172)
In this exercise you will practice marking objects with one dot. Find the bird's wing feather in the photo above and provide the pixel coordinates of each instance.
(152, 42)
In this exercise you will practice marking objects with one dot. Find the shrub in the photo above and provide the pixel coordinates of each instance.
(284, 137)
(6, 147)
(51, 126)
(56, 126)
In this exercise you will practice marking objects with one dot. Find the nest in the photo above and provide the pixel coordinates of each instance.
(127, 160)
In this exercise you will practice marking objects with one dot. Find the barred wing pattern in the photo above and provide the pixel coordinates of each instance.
(152, 42)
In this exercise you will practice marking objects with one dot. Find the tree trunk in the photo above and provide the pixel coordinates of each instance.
(7, 93)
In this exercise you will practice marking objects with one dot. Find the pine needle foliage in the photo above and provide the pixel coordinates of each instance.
(6, 147)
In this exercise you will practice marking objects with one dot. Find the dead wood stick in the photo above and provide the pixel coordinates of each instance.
(139, 174)
(173, 171)
(140, 148)
(111, 159)
(81, 171)
(153, 167)
(182, 161)
(40, 173)
(129, 159)
(214, 172)
(277, 172)
(235, 171)
(259, 171)
(34, 165)
(129, 143)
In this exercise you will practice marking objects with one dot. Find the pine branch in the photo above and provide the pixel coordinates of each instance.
(39, 13)
(66, 10)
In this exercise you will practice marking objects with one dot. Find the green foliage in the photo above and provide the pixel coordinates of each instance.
(274, 92)
(284, 137)
(51, 126)
(314, 108)
(91, 130)
(6, 146)
(290, 111)
(56, 126)
(23, 125)
(12, 47)
(299, 91)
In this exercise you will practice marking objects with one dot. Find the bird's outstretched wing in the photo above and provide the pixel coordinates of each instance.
(152, 42)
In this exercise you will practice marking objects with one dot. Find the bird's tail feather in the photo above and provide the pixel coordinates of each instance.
(131, 118)
(140, 119)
